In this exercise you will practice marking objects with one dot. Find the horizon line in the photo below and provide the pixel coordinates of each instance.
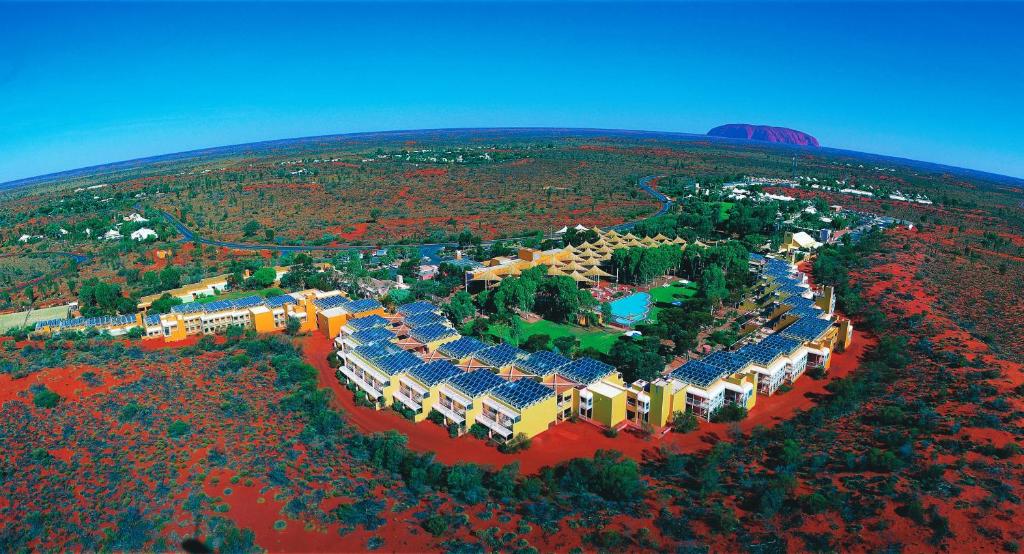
(12, 184)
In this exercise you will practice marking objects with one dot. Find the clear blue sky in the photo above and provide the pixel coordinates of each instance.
(83, 84)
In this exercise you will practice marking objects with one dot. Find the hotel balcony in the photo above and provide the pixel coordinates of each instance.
(498, 428)
(452, 415)
(361, 383)
(407, 402)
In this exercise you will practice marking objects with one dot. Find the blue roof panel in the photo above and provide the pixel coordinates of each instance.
(522, 393)
(586, 370)
(477, 382)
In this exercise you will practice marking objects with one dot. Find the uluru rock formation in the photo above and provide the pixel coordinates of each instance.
(764, 133)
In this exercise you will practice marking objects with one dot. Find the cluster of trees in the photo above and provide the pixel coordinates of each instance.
(642, 265)
(96, 298)
(557, 298)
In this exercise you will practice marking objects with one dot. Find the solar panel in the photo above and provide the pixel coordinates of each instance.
(363, 305)
(780, 343)
(247, 302)
(725, 360)
(153, 319)
(797, 301)
(522, 393)
(413, 308)
(280, 300)
(461, 348)
(329, 302)
(432, 373)
(476, 382)
(542, 363)
(698, 373)
(368, 322)
(423, 319)
(586, 370)
(807, 328)
(807, 311)
(377, 350)
(187, 308)
(500, 355)
(432, 333)
(374, 334)
(397, 363)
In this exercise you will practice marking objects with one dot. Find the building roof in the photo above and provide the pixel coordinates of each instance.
(413, 308)
(499, 355)
(280, 300)
(435, 372)
(373, 334)
(425, 318)
(807, 329)
(329, 302)
(363, 305)
(726, 360)
(698, 373)
(543, 362)
(368, 322)
(431, 333)
(397, 363)
(768, 350)
(106, 320)
(586, 370)
(476, 382)
(522, 393)
(461, 348)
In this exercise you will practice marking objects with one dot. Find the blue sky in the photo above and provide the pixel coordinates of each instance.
(83, 84)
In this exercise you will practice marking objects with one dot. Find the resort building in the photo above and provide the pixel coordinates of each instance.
(518, 407)
(255, 312)
(419, 388)
(460, 399)
(335, 310)
(582, 263)
(375, 369)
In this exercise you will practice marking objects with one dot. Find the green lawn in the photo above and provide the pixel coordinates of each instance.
(272, 291)
(723, 210)
(672, 292)
(667, 295)
(598, 340)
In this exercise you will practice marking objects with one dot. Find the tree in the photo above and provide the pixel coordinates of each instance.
(712, 285)
(251, 228)
(637, 359)
(567, 345)
(170, 278)
(45, 398)
(560, 300)
(262, 278)
(460, 307)
(292, 326)
(536, 342)
(164, 304)
(684, 422)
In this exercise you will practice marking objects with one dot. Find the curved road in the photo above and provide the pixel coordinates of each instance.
(427, 249)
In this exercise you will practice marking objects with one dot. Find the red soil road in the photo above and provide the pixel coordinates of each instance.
(566, 441)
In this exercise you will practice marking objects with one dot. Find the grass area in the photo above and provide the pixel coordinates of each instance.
(668, 294)
(272, 291)
(596, 339)
(30, 318)
(723, 210)
(673, 292)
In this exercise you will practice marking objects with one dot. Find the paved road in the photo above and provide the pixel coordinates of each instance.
(428, 249)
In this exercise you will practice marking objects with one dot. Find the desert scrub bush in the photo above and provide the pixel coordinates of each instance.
(45, 398)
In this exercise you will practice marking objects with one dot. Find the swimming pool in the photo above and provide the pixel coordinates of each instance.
(632, 309)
